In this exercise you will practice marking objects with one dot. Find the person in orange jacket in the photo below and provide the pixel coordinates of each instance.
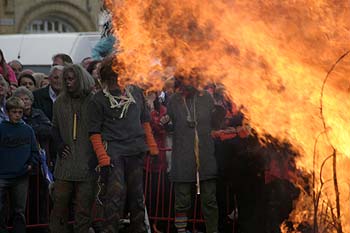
(121, 135)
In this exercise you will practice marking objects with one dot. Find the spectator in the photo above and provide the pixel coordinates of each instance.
(157, 111)
(16, 66)
(105, 46)
(32, 116)
(18, 155)
(45, 82)
(27, 71)
(121, 119)
(86, 62)
(42, 129)
(4, 86)
(168, 90)
(41, 80)
(74, 170)
(193, 160)
(156, 167)
(61, 59)
(27, 80)
(93, 69)
(229, 136)
(12, 88)
(45, 97)
(6, 70)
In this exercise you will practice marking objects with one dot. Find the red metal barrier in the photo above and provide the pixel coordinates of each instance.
(158, 194)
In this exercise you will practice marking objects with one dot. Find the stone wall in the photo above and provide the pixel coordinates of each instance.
(16, 15)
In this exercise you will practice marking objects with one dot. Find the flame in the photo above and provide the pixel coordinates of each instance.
(272, 57)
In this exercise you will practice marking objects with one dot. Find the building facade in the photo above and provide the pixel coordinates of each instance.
(45, 16)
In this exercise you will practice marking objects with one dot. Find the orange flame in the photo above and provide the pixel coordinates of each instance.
(272, 57)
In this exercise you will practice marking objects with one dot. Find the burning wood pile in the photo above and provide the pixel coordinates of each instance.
(287, 62)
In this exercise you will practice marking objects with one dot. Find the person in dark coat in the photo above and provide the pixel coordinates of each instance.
(45, 97)
(121, 135)
(190, 112)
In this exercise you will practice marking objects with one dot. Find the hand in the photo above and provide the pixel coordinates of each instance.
(230, 130)
(51, 189)
(153, 150)
(243, 131)
(104, 173)
(29, 167)
(51, 166)
(164, 120)
(223, 135)
(64, 151)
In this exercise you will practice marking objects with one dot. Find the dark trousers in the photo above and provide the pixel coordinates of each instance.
(279, 196)
(84, 197)
(38, 199)
(183, 199)
(17, 188)
(125, 182)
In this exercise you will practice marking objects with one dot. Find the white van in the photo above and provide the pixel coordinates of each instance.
(35, 51)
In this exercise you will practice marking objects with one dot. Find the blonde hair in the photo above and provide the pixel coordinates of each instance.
(39, 77)
(14, 102)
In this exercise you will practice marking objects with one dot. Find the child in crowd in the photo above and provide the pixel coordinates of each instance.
(18, 155)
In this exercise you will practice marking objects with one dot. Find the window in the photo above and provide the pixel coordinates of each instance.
(49, 25)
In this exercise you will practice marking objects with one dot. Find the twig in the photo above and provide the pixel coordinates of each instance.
(337, 194)
(335, 181)
(316, 195)
(321, 169)
(322, 92)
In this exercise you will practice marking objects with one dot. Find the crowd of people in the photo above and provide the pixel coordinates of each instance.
(97, 134)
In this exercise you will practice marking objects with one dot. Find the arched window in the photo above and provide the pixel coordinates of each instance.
(48, 25)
